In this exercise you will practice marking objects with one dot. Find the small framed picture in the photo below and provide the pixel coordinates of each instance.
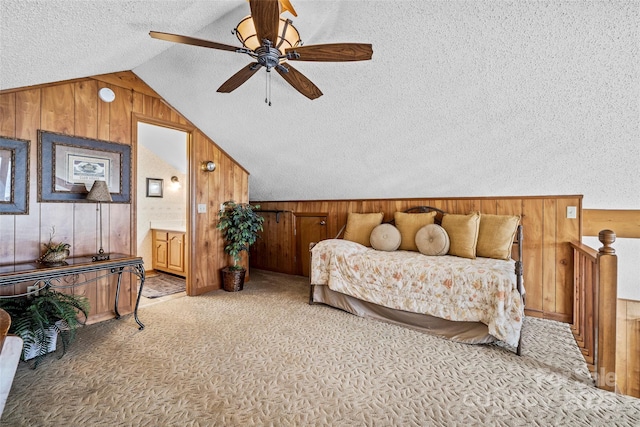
(154, 187)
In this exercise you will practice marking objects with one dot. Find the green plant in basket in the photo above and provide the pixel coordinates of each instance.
(240, 225)
(40, 319)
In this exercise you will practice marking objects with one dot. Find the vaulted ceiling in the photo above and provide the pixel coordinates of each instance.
(461, 98)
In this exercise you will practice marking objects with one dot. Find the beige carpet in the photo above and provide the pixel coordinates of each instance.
(265, 357)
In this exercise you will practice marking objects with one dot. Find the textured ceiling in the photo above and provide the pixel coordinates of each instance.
(461, 98)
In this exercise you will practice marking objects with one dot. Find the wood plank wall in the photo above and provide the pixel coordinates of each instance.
(548, 258)
(625, 223)
(73, 107)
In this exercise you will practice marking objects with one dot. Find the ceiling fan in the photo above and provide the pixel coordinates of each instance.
(272, 41)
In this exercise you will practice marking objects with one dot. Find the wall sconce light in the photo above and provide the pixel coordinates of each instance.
(175, 183)
(106, 94)
(208, 166)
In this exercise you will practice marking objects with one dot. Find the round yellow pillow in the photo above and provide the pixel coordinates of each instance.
(432, 240)
(385, 237)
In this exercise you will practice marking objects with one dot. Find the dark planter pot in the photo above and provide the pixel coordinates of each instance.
(232, 280)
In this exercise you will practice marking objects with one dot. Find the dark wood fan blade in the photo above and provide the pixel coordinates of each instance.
(332, 52)
(238, 78)
(191, 40)
(266, 17)
(302, 84)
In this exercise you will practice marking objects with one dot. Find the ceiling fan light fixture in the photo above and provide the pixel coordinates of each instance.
(273, 41)
(288, 35)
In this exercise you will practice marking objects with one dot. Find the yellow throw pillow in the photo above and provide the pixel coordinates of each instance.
(496, 235)
(409, 224)
(360, 226)
(463, 233)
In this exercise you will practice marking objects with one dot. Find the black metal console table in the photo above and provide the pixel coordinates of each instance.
(49, 276)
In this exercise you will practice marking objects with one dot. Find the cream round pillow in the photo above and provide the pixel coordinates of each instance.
(385, 237)
(432, 240)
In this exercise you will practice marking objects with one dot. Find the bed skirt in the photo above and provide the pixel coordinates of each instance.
(464, 332)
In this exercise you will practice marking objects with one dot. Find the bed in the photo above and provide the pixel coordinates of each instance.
(474, 300)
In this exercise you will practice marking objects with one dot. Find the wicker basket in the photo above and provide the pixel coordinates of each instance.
(232, 280)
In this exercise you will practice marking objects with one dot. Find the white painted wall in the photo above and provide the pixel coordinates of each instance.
(169, 145)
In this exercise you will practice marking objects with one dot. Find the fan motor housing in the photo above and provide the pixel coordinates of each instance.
(268, 57)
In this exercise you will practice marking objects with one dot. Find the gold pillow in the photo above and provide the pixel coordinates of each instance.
(463, 233)
(496, 235)
(360, 226)
(409, 224)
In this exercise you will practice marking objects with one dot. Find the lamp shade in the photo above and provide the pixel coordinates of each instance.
(288, 36)
(99, 192)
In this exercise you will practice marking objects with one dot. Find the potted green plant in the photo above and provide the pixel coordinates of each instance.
(240, 225)
(40, 318)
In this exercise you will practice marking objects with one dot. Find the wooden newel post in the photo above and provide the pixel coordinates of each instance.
(607, 304)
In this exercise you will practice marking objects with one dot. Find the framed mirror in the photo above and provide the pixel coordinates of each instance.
(14, 176)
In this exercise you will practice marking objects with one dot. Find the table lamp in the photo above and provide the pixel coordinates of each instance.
(100, 193)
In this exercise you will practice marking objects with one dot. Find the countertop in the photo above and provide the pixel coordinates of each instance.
(173, 226)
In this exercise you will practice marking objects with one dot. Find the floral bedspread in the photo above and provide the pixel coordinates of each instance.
(481, 290)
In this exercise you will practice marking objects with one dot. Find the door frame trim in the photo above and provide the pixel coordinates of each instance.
(189, 130)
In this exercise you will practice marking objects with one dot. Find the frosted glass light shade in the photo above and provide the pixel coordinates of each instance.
(246, 33)
(106, 94)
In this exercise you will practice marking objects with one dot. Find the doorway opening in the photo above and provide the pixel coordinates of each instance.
(162, 210)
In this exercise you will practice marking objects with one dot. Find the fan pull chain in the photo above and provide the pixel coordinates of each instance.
(267, 88)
